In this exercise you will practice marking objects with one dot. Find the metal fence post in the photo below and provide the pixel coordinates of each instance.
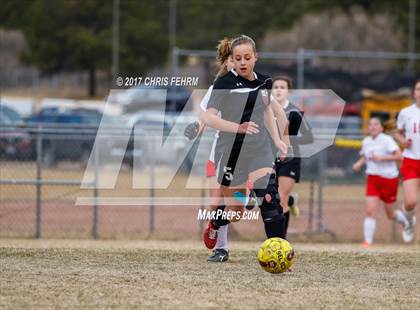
(300, 68)
(175, 61)
(322, 164)
(175, 65)
(394, 231)
(95, 193)
(38, 181)
(321, 182)
(152, 187)
(311, 205)
(202, 206)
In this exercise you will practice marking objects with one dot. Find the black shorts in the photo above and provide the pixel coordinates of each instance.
(236, 172)
(289, 169)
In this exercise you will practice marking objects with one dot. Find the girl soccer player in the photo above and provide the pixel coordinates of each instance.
(380, 153)
(224, 59)
(246, 122)
(408, 135)
(288, 172)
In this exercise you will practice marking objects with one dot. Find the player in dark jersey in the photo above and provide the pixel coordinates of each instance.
(288, 171)
(246, 123)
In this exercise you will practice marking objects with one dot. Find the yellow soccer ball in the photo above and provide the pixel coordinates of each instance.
(276, 255)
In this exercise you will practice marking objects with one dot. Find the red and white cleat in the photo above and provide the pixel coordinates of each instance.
(210, 236)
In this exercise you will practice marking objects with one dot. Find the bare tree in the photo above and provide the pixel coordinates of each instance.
(337, 30)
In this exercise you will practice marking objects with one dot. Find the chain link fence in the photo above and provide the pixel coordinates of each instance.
(42, 170)
(44, 192)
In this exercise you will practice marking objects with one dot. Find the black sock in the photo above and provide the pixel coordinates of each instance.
(291, 201)
(286, 222)
(219, 221)
(275, 228)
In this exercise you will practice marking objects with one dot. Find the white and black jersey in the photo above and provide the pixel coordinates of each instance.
(300, 133)
(240, 100)
(203, 106)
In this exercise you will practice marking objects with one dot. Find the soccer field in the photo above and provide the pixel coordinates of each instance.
(175, 275)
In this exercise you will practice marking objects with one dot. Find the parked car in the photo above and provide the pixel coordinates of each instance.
(152, 130)
(15, 142)
(68, 133)
(10, 113)
(144, 97)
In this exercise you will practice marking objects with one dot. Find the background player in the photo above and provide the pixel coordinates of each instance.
(408, 135)
(380, 153)
(245, 121)
(224, 59)
(288, 172)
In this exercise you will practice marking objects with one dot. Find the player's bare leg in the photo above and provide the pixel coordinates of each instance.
(286, 185)
(395, 215)
(411, 188)
(221, 253)
(369, 225)
(231, 206)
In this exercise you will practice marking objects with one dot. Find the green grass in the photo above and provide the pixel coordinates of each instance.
(175, 275)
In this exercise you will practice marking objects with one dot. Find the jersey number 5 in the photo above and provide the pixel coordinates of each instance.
(227, 171)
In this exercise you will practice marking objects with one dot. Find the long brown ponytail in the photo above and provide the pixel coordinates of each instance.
(223, 53)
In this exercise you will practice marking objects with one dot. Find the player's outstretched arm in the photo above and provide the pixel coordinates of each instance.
(270, 124)
(282, 121)
(357, 166)
(401, 139)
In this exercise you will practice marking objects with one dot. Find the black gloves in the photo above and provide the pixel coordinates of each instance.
(191, 130)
